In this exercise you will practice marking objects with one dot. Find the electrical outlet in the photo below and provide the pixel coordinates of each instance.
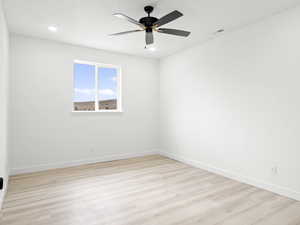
(1, 183)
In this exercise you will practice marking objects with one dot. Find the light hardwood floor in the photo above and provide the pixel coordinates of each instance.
(151, 190)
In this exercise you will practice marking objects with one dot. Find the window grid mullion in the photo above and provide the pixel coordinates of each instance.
(97, 88)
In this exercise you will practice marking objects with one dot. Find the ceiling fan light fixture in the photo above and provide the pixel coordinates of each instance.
(150, 24)
(150, 48)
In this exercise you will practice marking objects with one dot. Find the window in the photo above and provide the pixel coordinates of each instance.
(97, 87)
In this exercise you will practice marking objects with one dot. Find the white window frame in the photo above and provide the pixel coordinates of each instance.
(119, 86)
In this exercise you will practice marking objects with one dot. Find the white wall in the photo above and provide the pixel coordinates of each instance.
(232, 104)
(3, 100)
(45, 134)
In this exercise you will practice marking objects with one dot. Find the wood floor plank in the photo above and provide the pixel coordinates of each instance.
(152, 190)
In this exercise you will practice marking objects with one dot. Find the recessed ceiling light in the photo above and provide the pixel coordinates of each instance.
(118, 15)
(52, 28)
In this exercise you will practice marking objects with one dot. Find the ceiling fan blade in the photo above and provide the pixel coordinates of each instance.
(149, 38)
(123, 16)
(125, 32)
(182, 33)
(168, 18)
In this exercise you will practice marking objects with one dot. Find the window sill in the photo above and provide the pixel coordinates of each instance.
(99, 111)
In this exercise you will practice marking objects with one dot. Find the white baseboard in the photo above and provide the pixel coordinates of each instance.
(2, 195)
(43, 167)
(254, 182)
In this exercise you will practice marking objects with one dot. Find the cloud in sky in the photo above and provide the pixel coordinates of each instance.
(84, 91)
(106, 92)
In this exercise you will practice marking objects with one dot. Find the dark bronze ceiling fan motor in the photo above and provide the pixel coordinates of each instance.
(148, 21)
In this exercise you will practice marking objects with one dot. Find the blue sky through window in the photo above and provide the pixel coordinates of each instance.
(107, 78)
(84, 83)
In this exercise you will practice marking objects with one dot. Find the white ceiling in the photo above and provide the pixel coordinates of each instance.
(88, 22)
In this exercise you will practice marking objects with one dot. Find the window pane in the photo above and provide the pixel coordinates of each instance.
(107, 84)
(84, 87)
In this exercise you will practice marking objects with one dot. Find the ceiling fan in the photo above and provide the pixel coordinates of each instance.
(150, 24)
